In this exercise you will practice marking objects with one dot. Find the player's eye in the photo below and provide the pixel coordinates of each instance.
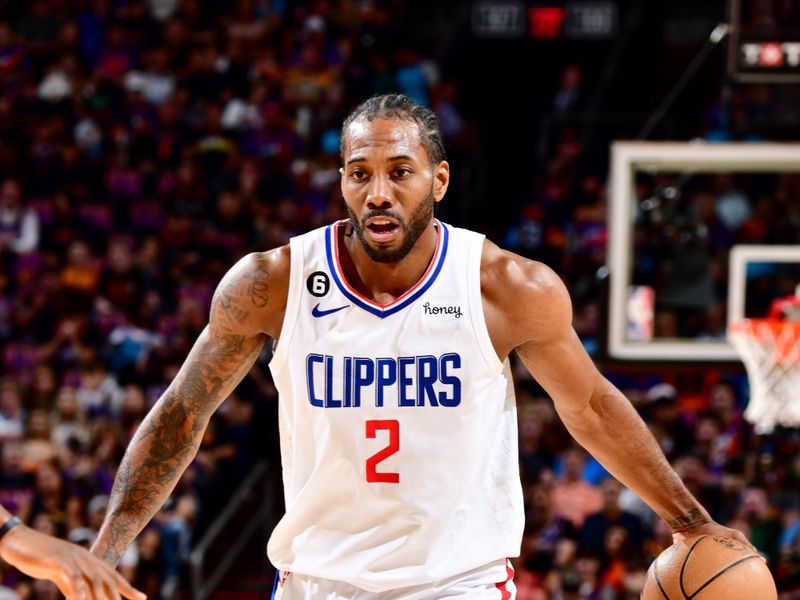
(358, 175)
(401, 172)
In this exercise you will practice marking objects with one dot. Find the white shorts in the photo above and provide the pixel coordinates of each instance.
(494, 581)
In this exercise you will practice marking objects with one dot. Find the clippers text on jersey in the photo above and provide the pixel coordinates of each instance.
(352, 381)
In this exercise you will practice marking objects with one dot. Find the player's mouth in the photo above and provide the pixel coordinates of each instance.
(382, 230)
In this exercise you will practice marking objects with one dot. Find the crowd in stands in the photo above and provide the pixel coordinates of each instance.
(146, 145)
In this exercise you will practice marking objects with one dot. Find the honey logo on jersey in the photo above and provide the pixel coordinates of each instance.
(442, 311)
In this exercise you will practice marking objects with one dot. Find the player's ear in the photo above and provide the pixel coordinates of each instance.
(441, 179)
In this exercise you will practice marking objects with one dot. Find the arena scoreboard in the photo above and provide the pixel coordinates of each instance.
(765, 41)
(542, 21)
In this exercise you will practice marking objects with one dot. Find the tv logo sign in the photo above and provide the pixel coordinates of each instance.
(771, 54)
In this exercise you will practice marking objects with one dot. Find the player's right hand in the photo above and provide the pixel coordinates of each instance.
(78, 574)
(714, 528)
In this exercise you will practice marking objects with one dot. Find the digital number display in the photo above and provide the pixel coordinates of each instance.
(496, 19)
(765, 40)
(590, 20)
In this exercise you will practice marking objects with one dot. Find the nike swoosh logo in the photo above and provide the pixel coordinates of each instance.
(316, 312)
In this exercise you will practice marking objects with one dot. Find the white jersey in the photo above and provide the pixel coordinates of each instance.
(398, 424)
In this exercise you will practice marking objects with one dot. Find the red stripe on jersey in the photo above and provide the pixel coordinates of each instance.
(506, 595)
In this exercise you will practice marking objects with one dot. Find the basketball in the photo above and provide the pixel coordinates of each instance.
(709, 567)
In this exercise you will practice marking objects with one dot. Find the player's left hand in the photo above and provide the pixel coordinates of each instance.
(714, 528)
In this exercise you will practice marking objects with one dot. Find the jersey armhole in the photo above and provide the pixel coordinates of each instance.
(476, 304)
(281, 352)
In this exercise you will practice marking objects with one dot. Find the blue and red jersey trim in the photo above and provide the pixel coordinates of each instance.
(399, 303)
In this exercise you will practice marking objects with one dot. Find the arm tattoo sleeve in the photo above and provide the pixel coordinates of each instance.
(170, 435)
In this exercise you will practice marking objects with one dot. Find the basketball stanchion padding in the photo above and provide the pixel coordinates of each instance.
(709, 567)
(770, 351)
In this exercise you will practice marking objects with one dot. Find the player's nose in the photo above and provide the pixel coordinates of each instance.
(379, 195)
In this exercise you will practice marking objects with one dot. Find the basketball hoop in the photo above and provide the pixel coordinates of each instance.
(770, 351)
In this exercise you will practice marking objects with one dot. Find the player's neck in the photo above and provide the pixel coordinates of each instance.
(384, 282)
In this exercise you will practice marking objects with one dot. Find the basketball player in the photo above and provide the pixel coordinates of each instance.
(397, 414)
(78, 574)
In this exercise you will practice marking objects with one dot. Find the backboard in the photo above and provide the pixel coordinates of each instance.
(677, 211)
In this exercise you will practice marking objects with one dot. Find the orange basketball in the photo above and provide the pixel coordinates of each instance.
(709, 567)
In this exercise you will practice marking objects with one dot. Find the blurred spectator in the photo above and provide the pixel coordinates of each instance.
(533, 420)
(574, 498)
(568, 96)
(19, 226)
(414, 76)
(118, 279)
(99, 393)
(594, 534)
(544, 520)
(16, 484)
(129, 346)
(13, 55)
(11, 415)
(38, 447)
(50, 500)
(614, 563)
(666, 423)
(445, 104)
(133, 408)
(176, 535)
(732, 206)
(69, 419)
(149, 571)
(106, 449)
(156, 83)
(762, 519)
(43, 386)
(81, 274)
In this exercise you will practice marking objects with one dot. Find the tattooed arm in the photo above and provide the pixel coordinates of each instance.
(247, 307)
(528, 310)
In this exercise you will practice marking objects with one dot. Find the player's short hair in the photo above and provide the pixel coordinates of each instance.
(400, 106)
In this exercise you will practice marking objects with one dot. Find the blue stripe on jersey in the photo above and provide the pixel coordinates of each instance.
(379, 312)
(275, 585)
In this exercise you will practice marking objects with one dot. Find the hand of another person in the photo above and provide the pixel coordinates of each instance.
(78, 574)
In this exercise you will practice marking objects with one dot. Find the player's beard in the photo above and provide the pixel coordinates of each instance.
(417, 223)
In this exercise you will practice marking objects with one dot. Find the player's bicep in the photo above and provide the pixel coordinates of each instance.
(531, 312)
(552, 352)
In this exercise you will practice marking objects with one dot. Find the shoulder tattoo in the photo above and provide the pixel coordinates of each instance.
(239, 293)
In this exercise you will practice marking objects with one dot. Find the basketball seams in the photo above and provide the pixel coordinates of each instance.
(722, 572)
(683, 566)
(658, 581)
(671, 570)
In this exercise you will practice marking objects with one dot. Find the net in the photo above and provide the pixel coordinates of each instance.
(770, 351)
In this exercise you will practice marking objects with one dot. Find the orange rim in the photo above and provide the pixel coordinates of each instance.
(783, 335)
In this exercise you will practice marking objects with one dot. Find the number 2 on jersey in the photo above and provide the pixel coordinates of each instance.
(393, 427)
